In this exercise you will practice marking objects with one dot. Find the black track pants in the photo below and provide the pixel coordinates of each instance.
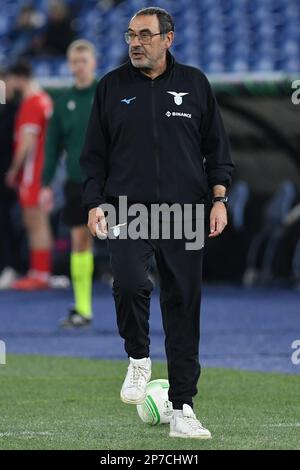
(180, 274)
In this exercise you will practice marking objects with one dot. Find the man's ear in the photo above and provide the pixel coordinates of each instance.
(170, 38)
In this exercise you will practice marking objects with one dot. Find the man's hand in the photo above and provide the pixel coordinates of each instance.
(218, 219)
(97, 223)
(28, 141)
(46, 199)
(11, 177)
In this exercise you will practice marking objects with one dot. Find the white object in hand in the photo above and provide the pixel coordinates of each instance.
(116, 229)
(99, 233)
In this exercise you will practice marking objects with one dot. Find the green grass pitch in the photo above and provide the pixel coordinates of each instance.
(69, 403)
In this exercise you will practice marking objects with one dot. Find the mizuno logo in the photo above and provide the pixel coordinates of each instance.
(128, 100)
(177, 96)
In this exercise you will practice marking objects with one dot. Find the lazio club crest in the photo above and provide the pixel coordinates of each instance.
(177, 96)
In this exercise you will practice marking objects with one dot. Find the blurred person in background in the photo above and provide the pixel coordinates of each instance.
(58, 33)
(24, 174)
(25, 32)
(9, 245)
(66, 132)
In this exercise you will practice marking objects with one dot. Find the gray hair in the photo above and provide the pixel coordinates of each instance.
(166, 22)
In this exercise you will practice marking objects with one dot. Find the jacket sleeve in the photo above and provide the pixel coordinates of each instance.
(215, 146)
(94, 155)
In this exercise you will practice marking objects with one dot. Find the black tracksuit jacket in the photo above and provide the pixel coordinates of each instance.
(158, 140)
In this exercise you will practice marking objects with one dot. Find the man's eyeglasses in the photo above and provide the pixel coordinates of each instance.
(144, 37)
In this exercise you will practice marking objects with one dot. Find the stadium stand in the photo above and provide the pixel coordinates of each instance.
(219, 36)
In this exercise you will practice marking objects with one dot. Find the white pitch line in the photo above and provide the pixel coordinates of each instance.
(281, 425)
(25, 434)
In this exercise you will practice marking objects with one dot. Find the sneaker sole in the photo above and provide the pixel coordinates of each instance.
(86, 325)
(132, 402)
(185, 436)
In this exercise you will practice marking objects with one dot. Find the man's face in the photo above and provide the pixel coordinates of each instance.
(11, 86)
(82, 64)
(17, 83)
(146, 56)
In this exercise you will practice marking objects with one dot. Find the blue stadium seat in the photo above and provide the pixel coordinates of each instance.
(218, 35)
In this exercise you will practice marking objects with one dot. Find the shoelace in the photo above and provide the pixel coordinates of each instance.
(193, 422)
(137, 374)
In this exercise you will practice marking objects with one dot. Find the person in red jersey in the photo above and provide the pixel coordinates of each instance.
(25, 175)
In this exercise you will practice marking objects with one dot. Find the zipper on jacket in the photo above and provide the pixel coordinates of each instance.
(155, 134)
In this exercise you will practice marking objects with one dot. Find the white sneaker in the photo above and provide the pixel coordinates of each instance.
(185, 424)
(7, 277)
(134, 386)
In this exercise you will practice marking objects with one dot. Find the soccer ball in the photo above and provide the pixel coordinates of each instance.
(156, 409)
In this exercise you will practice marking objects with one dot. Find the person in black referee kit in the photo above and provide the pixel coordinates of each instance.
(155, 135)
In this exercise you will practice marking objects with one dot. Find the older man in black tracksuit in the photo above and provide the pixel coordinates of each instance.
(156, 136)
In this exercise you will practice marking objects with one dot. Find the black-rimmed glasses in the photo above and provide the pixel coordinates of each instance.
(144, 37)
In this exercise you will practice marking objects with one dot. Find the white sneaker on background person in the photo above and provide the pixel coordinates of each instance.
(7, 277)
(185, 424)
(133, 390)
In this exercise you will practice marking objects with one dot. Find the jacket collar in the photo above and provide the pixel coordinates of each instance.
(137, 73)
